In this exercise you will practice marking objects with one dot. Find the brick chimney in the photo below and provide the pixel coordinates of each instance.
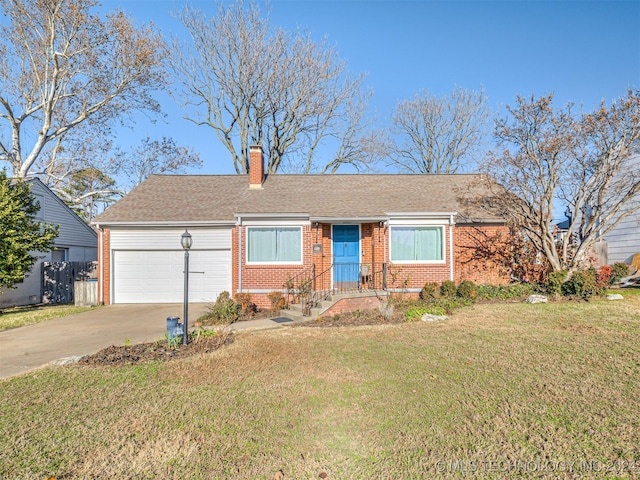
(256, 167)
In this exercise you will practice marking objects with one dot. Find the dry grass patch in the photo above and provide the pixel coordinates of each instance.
(499, 383)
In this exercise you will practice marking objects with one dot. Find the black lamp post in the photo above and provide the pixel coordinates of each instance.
(186, 242)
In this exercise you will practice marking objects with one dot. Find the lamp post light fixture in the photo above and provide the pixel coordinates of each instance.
(186, 242)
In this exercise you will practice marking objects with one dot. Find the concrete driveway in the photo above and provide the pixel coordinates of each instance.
(25, 348)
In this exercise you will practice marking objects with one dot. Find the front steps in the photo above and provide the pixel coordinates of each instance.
(294, 312)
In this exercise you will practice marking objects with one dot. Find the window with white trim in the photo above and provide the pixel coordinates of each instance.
(274, 244)
(417, 244)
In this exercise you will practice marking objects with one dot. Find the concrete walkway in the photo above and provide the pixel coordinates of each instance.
(27, 348)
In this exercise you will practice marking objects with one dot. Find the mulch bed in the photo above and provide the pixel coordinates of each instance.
(159, 350)
(354, 319)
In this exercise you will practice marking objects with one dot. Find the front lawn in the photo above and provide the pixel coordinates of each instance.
(497, 391)
(28, 315)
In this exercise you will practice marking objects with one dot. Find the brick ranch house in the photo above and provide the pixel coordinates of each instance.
(258, 233)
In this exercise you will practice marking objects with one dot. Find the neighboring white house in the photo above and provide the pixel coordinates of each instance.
(76, 242)
(623, 241)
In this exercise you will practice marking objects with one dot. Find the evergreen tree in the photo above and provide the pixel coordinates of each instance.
(21, 236)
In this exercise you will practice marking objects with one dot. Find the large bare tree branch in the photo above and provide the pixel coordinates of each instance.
(62, 66)
(588, 162)
(438, 134)
(253, 84)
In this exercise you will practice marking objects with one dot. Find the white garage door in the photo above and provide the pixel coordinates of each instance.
(157, 276)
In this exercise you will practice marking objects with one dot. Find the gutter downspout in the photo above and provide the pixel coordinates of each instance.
(239, 224)
(451, 272)
(100, 265)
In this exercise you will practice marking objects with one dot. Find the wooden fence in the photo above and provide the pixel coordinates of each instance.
(58, 279)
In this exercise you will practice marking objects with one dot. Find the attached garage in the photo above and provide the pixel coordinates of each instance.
(147, 265)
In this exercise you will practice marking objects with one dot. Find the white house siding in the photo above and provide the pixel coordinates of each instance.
(147, 264)
(80, 241)
(624, 240)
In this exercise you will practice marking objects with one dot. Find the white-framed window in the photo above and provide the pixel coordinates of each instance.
(417, 244)
(274, 245)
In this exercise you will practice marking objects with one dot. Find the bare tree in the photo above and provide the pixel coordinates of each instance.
(153, 156)
(586, 162)
(255, 85)
(438, 134)
(89, 191)
(89, 176)
(62, 67)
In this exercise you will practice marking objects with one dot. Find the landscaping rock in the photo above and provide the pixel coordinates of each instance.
(615, 296)
(427, 317)
(537, 299)
(66, 360)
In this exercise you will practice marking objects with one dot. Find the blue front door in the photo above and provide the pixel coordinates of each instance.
(346, 256)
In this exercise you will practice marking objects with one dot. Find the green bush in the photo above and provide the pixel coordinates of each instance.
(555, 281)
(448, 289)
(505, 292)
(620, 270)
(429, 292)
(467, 290)
(436, 310)
(414, 313)
(581, 284)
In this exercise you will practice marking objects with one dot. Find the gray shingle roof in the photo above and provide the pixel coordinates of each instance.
(216, 198)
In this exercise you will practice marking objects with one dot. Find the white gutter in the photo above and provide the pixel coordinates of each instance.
(421, 214)
(451, 261)
(348, 219)
(213, 223)
(272, 215)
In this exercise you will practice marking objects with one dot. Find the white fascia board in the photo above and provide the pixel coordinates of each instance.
(417, 215)
(213, 223)
(271, 215)
(421, 218)
(268, 219)
(348, 219)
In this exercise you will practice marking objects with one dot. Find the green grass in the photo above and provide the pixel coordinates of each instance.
(21, 316)
(497, 391)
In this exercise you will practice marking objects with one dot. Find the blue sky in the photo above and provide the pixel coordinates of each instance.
(582, 51)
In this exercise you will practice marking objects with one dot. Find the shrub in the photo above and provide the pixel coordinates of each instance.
(581, 284)
(278, 302)
(415, 313)
(225, 310)
(448, 289)
(429, 292)
(504, 292)
(467, 290)
(554, 282)
(603, 277)
(436, 310)
(620, 270)
(450, 304)
(246, 308)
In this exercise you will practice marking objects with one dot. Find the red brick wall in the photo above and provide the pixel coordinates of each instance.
(482, 271)
(267, 277)
(346, 305)
(374, 244)
(104, 284)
